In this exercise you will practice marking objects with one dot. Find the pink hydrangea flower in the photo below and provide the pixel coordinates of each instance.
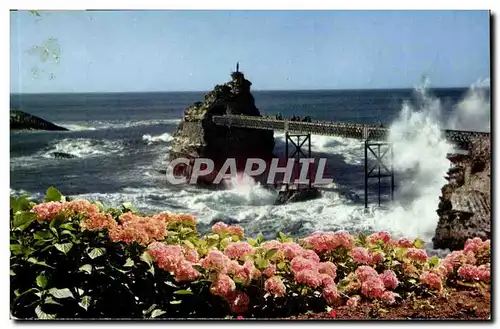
(326, 279)
(377, 257)
(474, 273)
(328, 268)
(222, 286)
(291, 250)
(404, 243)
(361, 255)
(216, 261)
(373, 287)
(143, 230)
(331, 294)
(389, 297)
(328, 241)
(300, 263)
(167, 257)
(251, 271)
(48, 211)
(235, 250)
(385, 237)
(220, 228)
(431, 280)
(185, 271)
(389, 279)
(417, 254)
(275, 286)
(270, 270)
(308, 277)
(190, 254)
(309, 254)
(364, 273)
(475, 245)
(98, 222)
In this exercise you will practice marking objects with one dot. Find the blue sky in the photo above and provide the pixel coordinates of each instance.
(119, 51)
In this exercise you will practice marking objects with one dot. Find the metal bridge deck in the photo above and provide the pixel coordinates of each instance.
(348, 130)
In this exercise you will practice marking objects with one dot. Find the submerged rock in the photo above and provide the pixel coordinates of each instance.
(62, 155)
(198, 137)
(465, 207)
(20, 120)
(297, 195)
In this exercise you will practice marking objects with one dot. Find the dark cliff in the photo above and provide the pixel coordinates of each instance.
(465, 205)
(198, 137)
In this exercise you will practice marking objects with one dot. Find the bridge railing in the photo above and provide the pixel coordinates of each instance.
(348, 130)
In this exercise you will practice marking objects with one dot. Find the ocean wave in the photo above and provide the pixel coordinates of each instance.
(83, 147)
(166, 137)
(101, 125)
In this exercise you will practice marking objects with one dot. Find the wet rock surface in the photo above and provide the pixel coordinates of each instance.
(198, 137)
(297, 195)
(20, 120)
(465, 205)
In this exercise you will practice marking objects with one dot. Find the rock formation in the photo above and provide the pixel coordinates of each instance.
(465, 207)
(198, 137)
(20, 120)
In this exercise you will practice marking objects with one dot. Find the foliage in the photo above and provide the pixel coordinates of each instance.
(76, 259)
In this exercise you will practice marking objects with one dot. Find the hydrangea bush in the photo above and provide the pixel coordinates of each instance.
(76, 259)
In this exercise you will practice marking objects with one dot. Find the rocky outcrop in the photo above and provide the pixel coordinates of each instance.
(20, 120)
(465, 205)
(297, 195)
(198, 137)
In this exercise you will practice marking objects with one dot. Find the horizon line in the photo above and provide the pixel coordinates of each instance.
(206, 91)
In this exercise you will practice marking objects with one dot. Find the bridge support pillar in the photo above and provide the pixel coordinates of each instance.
(380, 170)
(297, 151)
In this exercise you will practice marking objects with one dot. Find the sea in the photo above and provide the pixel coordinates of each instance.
(120, 143)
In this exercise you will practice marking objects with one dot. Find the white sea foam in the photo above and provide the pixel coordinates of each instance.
(100, 125)
(166, 137)
(83, 147)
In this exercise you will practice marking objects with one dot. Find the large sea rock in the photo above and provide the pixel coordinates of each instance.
(198, 137)
(20, 120)
(465, 205)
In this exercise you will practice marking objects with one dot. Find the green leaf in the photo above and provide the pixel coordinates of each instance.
(20, 204)
(42, 315)
(434, 261)
(96, 252)
(401, 253)
(252, 242)
(282, 236)
(64, 247)
(189, 244)
(183, 292)
(418, 243)
(61, 293)
(127, 206)
(129, 262)
(42, 281)
(85, 302)
(50, 300)
(37, 262)
(12, 273)
(149, 309)
(281, 265)
(53, 194)
(16, 249)
(270, 253)
(43, 235)
(86, 268)
(56, 223)
(23, 219)
(67, 226)
(260, 238)
(157, 312)
(261, 262)
(175, 302)
(147, 258)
